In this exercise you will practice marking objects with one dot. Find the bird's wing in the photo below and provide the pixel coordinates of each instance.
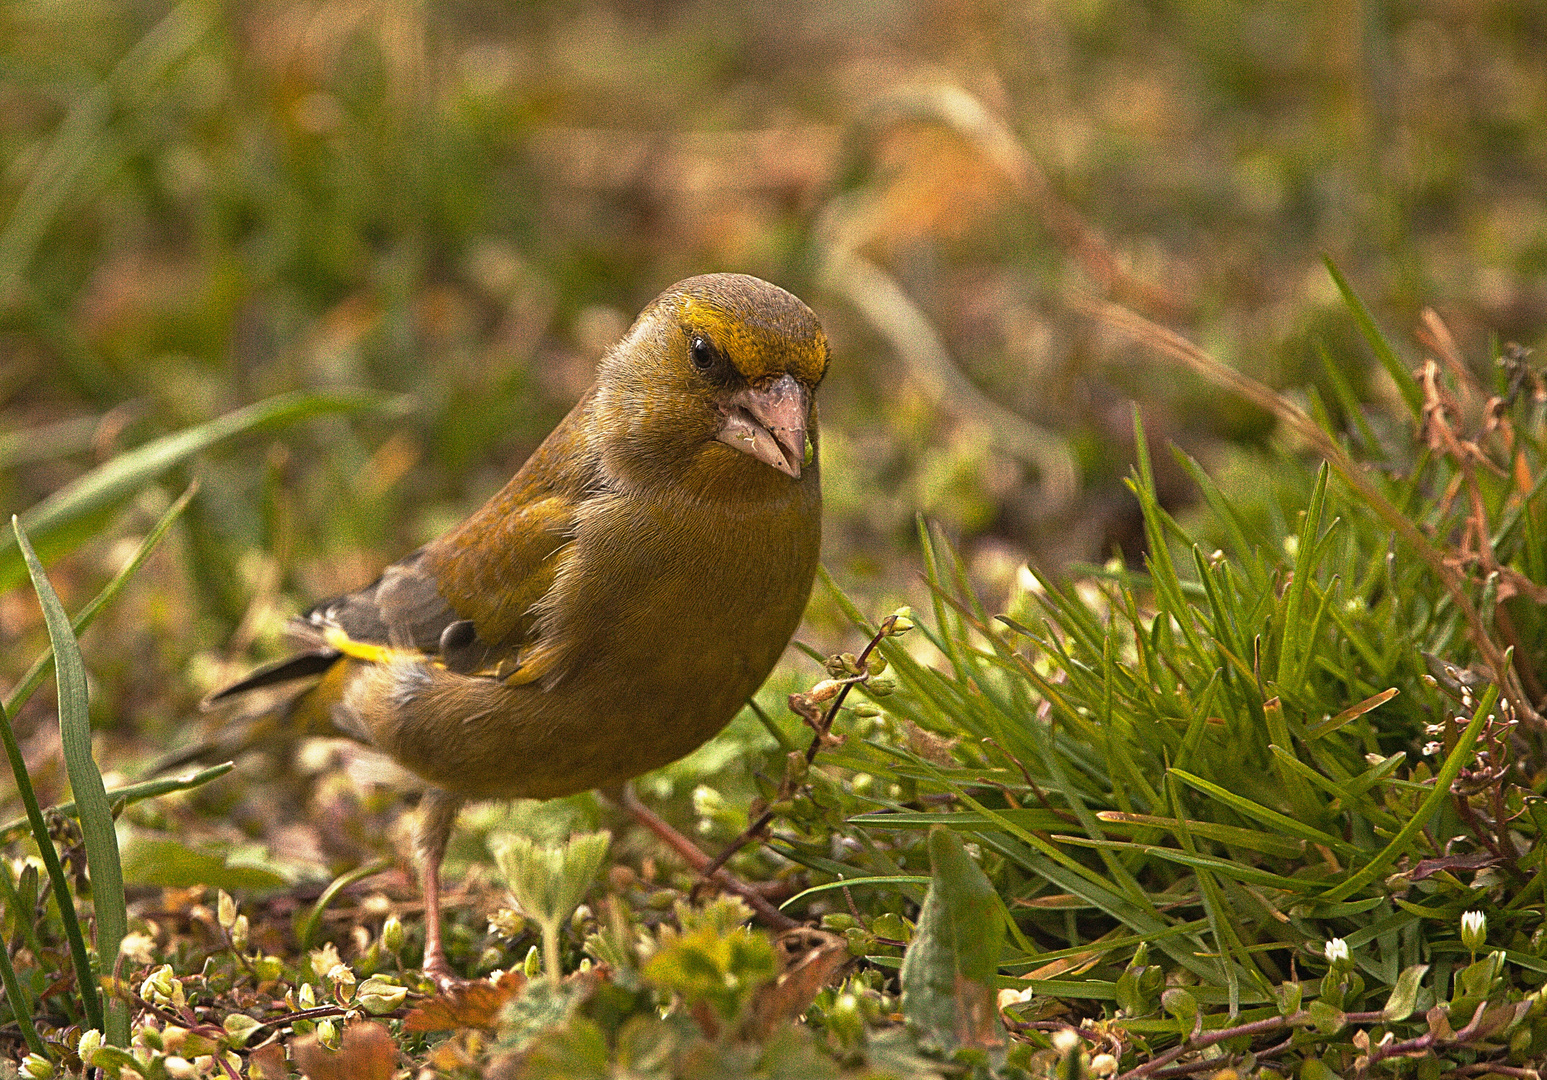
(466, 599)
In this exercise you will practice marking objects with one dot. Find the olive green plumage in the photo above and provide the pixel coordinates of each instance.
(611, 608)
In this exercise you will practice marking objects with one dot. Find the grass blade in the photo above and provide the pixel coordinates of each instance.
(1441, 791)
(1412, 393)
(90, 999)
(88, 614)
(96, 815)
(50, 522)
(128, 796)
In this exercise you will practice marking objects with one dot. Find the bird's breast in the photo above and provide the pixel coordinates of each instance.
(666, 616)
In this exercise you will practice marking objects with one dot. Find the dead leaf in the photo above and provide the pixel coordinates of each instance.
(808, 960)
(473, 1005)
(267, 1062)
(366, 1052)
(1479, 860)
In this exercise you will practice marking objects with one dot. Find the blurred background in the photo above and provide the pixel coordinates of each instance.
(202, 205)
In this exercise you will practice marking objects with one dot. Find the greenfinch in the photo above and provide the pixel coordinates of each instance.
(613, 606)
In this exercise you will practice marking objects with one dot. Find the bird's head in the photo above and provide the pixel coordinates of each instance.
(717, 376)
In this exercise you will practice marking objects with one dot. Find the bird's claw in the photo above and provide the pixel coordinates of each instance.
(437, 969)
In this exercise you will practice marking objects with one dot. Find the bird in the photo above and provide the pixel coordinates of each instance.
(614, 605)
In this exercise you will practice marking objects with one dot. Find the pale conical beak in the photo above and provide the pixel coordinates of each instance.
(769, 424)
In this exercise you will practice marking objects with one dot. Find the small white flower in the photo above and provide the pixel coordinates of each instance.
(1432, 748)
(1336, 951)
(325, 959)
(1474, 929)
(1103, 1065)
(1065, 1040)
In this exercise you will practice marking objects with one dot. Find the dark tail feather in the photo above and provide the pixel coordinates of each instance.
(257, 728)
(301, 666)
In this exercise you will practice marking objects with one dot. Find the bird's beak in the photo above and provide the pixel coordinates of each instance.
(769, 424)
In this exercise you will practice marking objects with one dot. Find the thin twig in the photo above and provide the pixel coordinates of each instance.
(822, 728)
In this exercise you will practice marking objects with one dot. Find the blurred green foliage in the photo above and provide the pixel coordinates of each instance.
(203, 206)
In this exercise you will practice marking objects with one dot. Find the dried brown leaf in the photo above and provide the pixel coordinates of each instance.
(366, 1052)
(473, 1005)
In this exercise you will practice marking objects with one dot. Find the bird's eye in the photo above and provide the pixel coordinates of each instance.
(701, 353)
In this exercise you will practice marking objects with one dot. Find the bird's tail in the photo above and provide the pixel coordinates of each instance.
(307, 710)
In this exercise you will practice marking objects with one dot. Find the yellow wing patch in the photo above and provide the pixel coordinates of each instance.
(533, 665)
(370, 652)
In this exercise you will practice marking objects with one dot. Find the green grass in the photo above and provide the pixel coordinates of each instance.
(1231, 710)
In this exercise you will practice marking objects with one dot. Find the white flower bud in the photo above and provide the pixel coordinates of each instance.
(225, 910)
(379, 994)
(392, 935)
(91, 1042)
(1065, 1040)
(1474, 929)
(1336, 951)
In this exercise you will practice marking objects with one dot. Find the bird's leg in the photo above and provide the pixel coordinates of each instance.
(440, 814)
(701, 862)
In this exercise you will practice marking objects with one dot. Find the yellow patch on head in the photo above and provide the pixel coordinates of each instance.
(762, 330)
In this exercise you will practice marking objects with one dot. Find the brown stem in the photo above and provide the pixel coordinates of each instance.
(1200, 1041)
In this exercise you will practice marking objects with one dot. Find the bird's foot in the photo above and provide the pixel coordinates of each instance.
(438, 970)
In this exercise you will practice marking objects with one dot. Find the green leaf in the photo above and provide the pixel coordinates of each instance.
(548, 883)
(1288, 995)
(1404, 996)
(1182, 1005)
(949, 969)
(173, 864)
(62, 520)
(1325, 1018)
(95, 812)
(714, 961)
